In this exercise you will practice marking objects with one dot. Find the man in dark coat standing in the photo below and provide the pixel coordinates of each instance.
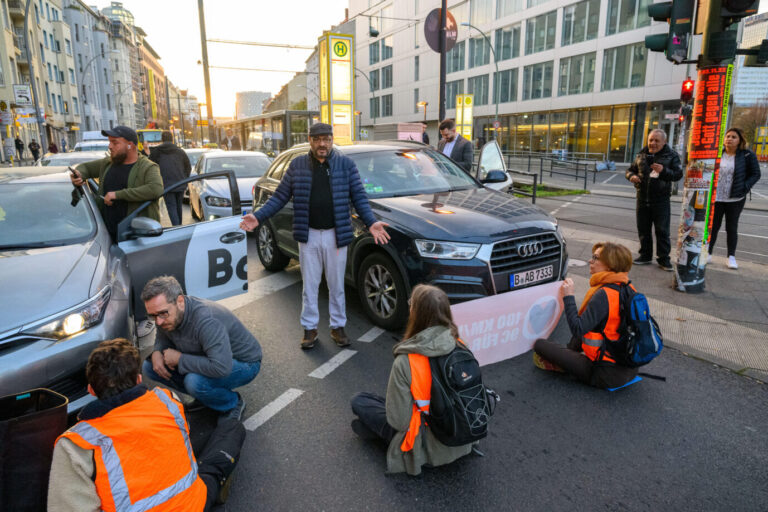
(653, 171)
(454, 146)
(174, 167)
(424, 134)
(34, 148)
(19, 148)
(232, 142)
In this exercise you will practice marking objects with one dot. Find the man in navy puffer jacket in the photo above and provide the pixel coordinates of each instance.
(322, 183)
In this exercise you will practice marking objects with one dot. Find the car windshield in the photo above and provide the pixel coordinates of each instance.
(154, 136)
(409, 172)
(251, 166)
(66, 159)
(194, 156)
(42, 215)
(92, 146)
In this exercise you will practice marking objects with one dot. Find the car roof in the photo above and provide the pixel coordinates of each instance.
(225, 154)
(77, 154)
(202, 150)
(367, 146)
(47, 174)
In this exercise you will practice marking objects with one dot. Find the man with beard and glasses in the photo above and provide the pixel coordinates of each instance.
(454, 146)
(126, 179)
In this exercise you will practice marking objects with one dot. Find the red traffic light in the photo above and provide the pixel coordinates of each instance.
(681, 118)
(686, 94)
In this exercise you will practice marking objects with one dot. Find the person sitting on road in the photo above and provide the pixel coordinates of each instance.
(132, 449)
(431, 332)
(201, 348)
(598, 315)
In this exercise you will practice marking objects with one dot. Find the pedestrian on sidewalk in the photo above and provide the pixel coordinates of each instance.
(322, 185)
(652, 172)
(132, 446)
(232, 142)
(454, 146)
(52, 148)
(739, 171)
(174, 167)
(34, 148)
(597, 316)
(430, 332)
(19, 148)
(63, 144)
(424, 134)
(201, 348)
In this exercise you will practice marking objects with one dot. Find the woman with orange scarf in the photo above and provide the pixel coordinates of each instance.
(582, 357)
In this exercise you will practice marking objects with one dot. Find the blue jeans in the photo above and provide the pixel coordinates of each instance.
(214, 393)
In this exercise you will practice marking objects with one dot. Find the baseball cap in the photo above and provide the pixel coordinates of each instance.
(318, 129)
(122, 131)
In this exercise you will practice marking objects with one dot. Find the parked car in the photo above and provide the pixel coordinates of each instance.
(92, 145)
(446, 227)
(209, 198)
(66, 286)
(65, 159)
(194, 155)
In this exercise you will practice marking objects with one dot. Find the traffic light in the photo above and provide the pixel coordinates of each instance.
(678, 13)
(719, 45)
(686, 94)
(733, 10)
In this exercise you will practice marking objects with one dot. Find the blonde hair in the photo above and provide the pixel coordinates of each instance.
(615, 256)
(429, 307)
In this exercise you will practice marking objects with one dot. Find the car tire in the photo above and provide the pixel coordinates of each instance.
(382, 292)
(269, 254)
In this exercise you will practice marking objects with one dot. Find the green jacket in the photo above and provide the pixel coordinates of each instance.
(431, 342)
(145, 183)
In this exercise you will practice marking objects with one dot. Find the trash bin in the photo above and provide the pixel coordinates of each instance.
(30, 422)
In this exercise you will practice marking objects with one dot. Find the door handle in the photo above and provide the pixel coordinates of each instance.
(232, 237)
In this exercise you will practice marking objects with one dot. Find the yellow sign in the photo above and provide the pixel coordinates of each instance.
(152, 99)
(202, 122)
(464, 104)
(341, 72)
(340, 48)
(337, 95)
(323, 75)
(342, 124)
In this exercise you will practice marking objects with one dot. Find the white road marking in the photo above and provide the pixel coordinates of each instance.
(371, 335)
(271, 409)
(261, 288)
(753, 236)
(609, 178)
(573, 262)
(566, 205)
(759, 194)
(323, 370)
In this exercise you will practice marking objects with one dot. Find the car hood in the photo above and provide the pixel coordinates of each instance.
(38, 283)
(475, 215)
(220, 188)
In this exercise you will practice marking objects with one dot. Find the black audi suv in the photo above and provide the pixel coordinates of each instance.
(447, 228)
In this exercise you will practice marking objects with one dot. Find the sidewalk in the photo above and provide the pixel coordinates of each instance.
(726, 325)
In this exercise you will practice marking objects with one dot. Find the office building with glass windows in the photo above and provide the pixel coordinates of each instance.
(573, 77)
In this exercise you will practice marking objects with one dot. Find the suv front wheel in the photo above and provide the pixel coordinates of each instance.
(382, 291)
(270, 255)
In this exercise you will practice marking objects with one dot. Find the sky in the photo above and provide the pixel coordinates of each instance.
(173, 30)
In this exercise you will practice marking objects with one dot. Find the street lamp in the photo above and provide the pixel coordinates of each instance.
(373, 93)
(496, 76)
(423, 104)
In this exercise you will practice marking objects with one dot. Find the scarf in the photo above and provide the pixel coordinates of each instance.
(599, 279)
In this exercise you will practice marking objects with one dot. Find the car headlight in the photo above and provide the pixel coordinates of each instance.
(78, 319)
(447, 250)
(217, 201)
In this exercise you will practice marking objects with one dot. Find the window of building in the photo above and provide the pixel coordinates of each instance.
(58, 46)
(577, 74)
(48, 12)
(451, 90)
(109, 103)
(415, 101)
(117, 65)
(374, 23)
(61, 104)
(534, 3)
(55, 14)
(386, 77)
(478, 85)
(537, 80)
(508, 42)
(455, 58)
(386, 48)
(480, 11)
(2, 74)
(375, 83)
(374, 107)
(45, 38)
(373, 53)
(50, 38)
(387, 21)
(66, 107)
(106, 76)
(416, 68)
(37, 15)
(102, 50)
(42, 53)
(479, 52)
(386, 105)
(540, 33)
(50, 72)
(71, 76)
(508, 7)
(505, 86)
(75, 107)
(580, 22)
(624, 67)
(77, 33)
(80, 62)
(627, 15)
(85, 95)
(68, 46)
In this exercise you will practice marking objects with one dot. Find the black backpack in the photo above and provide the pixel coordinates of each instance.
(461, 405)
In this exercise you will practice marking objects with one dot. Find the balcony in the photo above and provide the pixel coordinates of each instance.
(21, 49)
(16, 9)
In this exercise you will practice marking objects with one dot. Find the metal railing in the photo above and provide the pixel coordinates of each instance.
(534, 185)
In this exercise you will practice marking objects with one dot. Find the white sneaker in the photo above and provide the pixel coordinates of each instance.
(732, 262)
(144, 328)
(709, 258)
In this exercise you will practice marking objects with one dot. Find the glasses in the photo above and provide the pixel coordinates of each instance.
(163, 315)
(326, 140)
(595, 258)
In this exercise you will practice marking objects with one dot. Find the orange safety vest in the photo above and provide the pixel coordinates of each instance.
(593, 341)
(143, 456)
(421, 389)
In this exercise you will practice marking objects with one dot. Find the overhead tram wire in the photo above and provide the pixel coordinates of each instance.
(261, 69)
(271, 45)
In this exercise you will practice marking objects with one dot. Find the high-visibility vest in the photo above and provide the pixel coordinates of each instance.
(143, 456)
(593, 341)
(421, 390)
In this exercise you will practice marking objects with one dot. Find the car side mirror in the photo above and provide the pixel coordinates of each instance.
(144, 226)
(495, 177)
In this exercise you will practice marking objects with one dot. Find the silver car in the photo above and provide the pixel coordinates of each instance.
(210, 198)
(66, 286)
(73, 158)
(194, 155)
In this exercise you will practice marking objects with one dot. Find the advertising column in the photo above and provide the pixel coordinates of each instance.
(704, 152)
(337, 93)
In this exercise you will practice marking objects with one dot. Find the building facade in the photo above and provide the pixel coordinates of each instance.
(573, 77)
(750, 85)
(250, 103)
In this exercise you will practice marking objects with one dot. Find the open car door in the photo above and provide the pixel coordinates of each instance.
(491, 168)
(209, 258)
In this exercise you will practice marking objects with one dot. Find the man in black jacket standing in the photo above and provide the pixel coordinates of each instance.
(174, 167)
(454, 146)
(232, 142)
(652, 172)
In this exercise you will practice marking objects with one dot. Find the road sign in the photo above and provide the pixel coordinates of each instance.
(22, 95)
(464, 104)
(497, 125)
(432, 30)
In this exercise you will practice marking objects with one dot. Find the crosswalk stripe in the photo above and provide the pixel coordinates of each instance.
(261, 288)
(271, 409)
(371, 335)
(324, 369)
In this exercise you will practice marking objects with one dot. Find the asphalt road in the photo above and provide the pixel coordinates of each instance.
(695, 442)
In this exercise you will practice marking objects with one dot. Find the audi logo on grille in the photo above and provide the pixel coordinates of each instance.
(529, 249)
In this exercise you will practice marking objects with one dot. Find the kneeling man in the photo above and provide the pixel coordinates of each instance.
(201, 348)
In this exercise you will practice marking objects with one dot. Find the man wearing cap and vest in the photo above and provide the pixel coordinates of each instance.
(127, 179)
(322, 184)
(131, 449)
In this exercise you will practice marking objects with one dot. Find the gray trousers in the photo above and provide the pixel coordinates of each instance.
(320, 255)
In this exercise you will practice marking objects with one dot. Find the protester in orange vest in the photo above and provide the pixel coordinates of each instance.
(131, 449)
(598, 315)
(402, 419)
